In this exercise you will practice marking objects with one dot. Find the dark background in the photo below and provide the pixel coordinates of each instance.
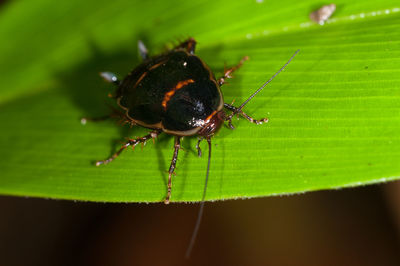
(355, 226)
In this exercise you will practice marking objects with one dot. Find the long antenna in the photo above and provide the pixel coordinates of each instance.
(200, 213)
(262, 87)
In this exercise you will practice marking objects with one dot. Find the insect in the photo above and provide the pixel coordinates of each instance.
(176, 93)
(323, 14)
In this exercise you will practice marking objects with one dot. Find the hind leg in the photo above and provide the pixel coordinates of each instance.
(189, 45)
(249, 118)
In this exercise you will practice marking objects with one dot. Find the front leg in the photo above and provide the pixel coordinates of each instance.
(249, 118)
(171, 170)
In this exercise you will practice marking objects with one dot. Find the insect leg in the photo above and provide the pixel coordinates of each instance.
(189, 45)
(172, 168)
(94, 119)
(115, 113)
(229, 71)
(143, 52)
(249, 118)
(131, 142)
(198, 147)
(110, 77)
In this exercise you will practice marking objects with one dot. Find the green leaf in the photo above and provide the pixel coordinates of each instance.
(334, 112)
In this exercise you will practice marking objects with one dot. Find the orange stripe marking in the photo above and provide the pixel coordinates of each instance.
(157, 65)
(178, 86)
(210, 116)
(140, 79)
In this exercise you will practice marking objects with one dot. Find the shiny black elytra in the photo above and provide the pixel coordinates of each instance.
(176, 93)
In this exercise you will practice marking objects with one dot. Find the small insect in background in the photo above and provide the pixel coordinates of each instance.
(176, 93)
(323, 14)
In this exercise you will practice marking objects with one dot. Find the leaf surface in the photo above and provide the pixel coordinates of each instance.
(334, 112)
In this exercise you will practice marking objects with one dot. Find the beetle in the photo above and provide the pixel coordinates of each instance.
(176, 93)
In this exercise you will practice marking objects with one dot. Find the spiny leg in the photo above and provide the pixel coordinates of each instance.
(172, 168)
(249, 118)
(94, 119)
(229, 71)
(143, 52)
(115, 113)
(130, 142)
(189, 45)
